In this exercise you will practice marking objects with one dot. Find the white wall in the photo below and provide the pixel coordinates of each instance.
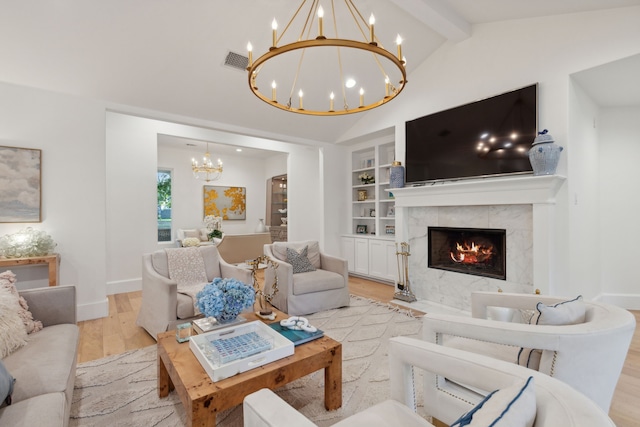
(618, 134)
(502, 56)
(70, 133)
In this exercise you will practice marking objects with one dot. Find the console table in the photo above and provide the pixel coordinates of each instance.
(51, 260)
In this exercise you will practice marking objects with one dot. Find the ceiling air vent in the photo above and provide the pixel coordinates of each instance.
(237, 61)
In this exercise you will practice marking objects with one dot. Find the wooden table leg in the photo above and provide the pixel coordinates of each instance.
(333, 381)
(53, 271)
(201, 414)
(164, 382)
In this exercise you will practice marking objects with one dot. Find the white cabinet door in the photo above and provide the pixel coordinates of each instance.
(392, 261)
(382, 259)
(361, 253)
(377, 258)
(348, 252)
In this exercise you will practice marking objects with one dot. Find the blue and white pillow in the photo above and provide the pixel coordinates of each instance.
(514, 406)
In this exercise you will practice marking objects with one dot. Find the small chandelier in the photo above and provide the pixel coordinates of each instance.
(206, 170)
(335, 60)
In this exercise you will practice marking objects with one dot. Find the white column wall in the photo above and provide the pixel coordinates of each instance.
(70, 133)
(619, 186)
(583, 190)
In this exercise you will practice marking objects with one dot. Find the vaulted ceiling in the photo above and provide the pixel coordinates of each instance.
(168, 55)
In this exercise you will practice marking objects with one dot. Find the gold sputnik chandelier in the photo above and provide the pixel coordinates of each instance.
(331, 81)
(206, 170)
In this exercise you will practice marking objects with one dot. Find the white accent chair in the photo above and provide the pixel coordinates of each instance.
(163, 307)
(304, 293)
(588, 356)
(557, 404)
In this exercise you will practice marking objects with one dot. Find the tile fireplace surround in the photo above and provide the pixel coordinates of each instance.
(523, 205)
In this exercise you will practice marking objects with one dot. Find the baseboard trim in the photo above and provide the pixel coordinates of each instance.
(124, 286)
(627, 301)
(94, 310)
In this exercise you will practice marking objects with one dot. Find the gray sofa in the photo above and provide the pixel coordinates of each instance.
(45, 368)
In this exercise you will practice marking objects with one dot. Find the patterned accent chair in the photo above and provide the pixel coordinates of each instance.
(308, 280)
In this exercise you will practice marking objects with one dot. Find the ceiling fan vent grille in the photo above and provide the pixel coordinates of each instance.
(237, 61)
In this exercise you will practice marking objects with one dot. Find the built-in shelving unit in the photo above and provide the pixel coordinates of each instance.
(370, 245)
(376, 210)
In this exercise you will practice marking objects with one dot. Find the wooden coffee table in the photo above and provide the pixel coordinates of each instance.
(179, 369)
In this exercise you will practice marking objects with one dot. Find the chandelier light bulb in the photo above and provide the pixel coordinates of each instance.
(399, 43)
(320, 26)
(273, 91)
(361, 97)
(250, 50)
(274, 28)
(300, 95)
(386, 86)
(372, 20)
(331, 96)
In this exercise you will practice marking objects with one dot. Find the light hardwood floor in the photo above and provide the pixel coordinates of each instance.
(118, 333)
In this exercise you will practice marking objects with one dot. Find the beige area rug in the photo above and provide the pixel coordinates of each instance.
(121, 390)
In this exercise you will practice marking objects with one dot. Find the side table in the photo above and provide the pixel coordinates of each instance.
(51, 260)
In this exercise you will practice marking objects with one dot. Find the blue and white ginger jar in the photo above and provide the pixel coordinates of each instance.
(544, 154)
(396, 176)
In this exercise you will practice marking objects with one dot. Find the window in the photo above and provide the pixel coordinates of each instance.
(164, 205)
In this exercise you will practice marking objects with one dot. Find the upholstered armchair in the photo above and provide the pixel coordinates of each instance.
(163, 307)
(552, 402)
(308, 280)
(588, 355)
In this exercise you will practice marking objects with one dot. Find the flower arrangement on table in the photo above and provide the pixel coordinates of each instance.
(214, 226)
(365, 178)
(225, 299)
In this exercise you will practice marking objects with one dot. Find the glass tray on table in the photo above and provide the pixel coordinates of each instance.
(235, 349)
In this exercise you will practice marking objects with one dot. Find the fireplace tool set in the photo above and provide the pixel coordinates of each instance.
(404, 288)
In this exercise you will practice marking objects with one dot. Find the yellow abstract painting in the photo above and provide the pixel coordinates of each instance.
(228, 202)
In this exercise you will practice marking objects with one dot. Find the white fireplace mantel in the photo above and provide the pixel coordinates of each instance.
(527, 189)
(538, 191)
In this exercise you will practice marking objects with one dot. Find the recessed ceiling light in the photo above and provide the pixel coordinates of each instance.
(350, 83)
(238, 149)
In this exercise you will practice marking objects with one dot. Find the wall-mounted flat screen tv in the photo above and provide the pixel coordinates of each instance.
(484, 138)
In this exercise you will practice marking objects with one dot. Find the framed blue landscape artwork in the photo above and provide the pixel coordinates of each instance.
(20, 184)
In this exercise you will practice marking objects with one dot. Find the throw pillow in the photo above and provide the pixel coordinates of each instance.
(8, 280)
(192, 233)
(190, 242)
(569, 312)
(13, 334)
(6, 385)
(299, 260)
(279, 250)
(514, 406)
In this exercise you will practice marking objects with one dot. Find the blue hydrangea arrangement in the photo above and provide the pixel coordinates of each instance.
(225, 299)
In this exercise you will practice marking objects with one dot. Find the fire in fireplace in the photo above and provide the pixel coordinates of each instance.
(477, 251)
